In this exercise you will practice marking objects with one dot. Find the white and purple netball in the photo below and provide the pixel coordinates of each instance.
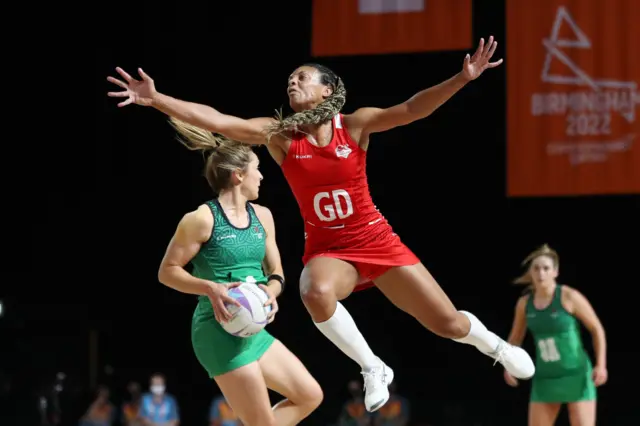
(251, 316)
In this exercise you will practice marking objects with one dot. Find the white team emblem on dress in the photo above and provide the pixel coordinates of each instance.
(343, 151)
(257, 233)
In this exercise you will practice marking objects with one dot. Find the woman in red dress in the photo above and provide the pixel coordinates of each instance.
(349, 244)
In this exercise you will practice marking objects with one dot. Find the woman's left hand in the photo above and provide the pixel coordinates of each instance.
(600, 375)
(272, 301)
(475, 65)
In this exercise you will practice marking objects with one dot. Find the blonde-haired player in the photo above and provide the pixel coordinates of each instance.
(564, 372)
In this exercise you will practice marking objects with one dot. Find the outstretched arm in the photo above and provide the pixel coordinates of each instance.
(249, 131)
(421, 105)
(143, 92)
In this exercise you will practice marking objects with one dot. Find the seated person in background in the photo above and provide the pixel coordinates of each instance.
(395, 412)
(159, 408)
(131, 407)
(221, 413)
(354, 412)
(101, 412)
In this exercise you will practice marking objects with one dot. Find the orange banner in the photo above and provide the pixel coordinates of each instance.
(572, 97)
(362, 27)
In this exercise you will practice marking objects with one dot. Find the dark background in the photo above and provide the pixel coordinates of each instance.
(440, 182)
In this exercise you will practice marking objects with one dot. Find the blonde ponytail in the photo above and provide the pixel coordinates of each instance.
(223, 155)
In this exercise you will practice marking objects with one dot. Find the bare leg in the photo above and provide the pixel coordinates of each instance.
(284, 373)
(543, 414)
(324, 282)
(415, 291)
(246, 392)
(582, 413)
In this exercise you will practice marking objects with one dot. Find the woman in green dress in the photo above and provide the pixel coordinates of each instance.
(229, 240)
(564, 372)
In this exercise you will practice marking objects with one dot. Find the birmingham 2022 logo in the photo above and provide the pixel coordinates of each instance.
(592, 106)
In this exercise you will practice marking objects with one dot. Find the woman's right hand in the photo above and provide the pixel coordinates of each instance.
(217, 294)
(140, 92)
(511, 381)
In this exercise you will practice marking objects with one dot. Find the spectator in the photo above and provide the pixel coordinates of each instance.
(131, 407)
(354, 412)
(221, 413)
(101, 412)
(395, 412)
(159, 408)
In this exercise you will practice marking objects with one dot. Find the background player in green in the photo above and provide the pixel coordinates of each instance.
(229, 240)
(564, 372)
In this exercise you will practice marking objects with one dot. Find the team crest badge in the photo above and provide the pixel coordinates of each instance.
(343, 151)
(256, 231)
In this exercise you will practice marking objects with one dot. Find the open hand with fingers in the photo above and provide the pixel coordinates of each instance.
(475, 65)
(272, 301)
(140, 92)
(218, 297)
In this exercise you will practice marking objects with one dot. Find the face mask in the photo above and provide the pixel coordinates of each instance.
(157, 389)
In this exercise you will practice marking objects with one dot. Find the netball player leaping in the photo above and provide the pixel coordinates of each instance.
(349, 244)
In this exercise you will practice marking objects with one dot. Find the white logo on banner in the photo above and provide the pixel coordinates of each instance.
(588, 110)
(376, 7)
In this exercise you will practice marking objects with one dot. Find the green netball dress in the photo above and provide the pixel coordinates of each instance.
(563, 367)
(232, 254)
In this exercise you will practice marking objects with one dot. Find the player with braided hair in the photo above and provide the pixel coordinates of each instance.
(349, 244)
(322, 113)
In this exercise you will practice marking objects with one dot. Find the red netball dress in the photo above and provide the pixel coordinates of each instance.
(340, 219)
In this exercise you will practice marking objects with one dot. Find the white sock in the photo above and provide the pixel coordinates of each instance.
(479, 336)
(343, 332)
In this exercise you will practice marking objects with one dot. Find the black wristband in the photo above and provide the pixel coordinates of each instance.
(278, 278)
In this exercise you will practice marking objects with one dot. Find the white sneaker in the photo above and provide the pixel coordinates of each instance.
(515, 360)
(376, 386)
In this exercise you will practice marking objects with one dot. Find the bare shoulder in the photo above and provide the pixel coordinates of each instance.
(569, 293)
(363, 112)
(198, 222)
(263, 213)
(358, 122)
(203, 214)
(521, 305)
(281, 140)
(278, 144)
(569, 296)
(278, 147)
(360, 117)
